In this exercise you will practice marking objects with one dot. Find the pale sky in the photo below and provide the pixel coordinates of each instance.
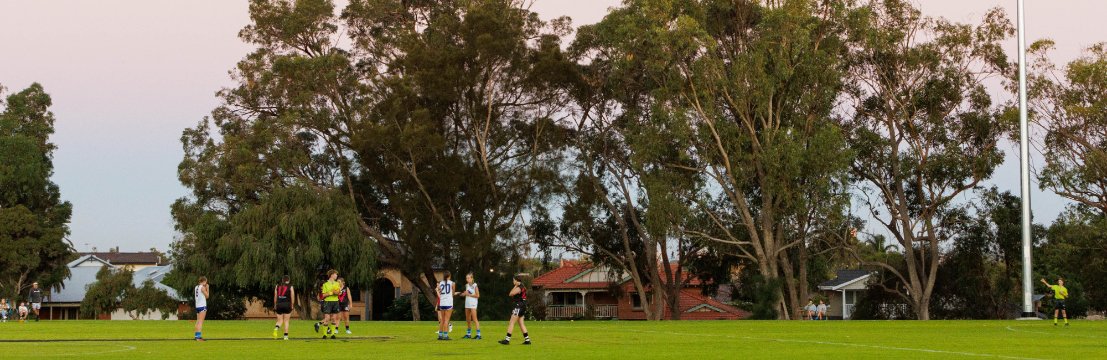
(128, 76)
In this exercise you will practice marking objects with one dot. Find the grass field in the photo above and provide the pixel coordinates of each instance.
(562, 340)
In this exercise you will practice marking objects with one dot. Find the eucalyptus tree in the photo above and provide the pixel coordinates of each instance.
(34, 221)
(1071, 105)
(725, 107)
(435, 119)
(924, 128)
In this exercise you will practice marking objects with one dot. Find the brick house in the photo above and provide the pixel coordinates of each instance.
(579, 288)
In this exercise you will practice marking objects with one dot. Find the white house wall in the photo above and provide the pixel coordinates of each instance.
(859, 285)
(155, 315)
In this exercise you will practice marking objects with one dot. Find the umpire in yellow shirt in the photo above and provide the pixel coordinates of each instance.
(1060, 293)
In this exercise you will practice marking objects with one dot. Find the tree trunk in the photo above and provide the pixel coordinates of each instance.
(803, 285)
(303, 306)
(675, 280)
(367, 312)
(415, 304)
(791, 288)
(923, 306)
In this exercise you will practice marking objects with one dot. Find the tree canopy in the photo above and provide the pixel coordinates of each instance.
(34, 221)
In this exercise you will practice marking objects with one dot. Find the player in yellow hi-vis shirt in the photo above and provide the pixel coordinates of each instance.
(1060, 293)
(330, 291)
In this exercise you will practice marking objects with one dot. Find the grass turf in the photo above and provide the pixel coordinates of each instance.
(561, 340)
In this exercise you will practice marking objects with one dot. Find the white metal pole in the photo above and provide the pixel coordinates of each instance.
(1024, 152)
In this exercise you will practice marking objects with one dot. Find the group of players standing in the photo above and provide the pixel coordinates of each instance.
(446, 290)
(336, 306)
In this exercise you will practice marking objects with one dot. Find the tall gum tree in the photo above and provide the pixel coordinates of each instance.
(735, 98)
(1071, 105)
(923, 126)
(434, 118)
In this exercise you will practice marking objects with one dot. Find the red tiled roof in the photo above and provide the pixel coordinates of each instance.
(555, 279)
(127, 258)
(578, 285)
(690, 298)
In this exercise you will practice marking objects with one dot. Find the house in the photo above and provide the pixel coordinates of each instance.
(578, 289)
(130, 260)
(66, 303)
(843, 291)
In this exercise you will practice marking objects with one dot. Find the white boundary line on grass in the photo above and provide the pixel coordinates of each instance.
(1055, 334)
(124, 348)
(880, 347)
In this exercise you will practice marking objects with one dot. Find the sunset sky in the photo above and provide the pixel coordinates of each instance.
(128, 76)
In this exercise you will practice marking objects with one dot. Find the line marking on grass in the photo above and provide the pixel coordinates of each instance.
(979, 355)
(86, 353)
(378, 338)
(1055, 334)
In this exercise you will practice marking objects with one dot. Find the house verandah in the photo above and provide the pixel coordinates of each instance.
(581, 303)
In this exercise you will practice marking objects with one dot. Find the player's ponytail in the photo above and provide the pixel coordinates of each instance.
(446, 275)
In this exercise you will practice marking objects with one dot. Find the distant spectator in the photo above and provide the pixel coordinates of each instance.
(821, 310)
(22, 312)
(4, 308)
(809, 310)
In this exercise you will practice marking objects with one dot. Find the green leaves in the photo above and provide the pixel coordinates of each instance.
(923, 126)
(33, 219)
(1072, 106)
(114, 290)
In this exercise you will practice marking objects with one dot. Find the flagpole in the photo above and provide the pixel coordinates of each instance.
(1024, 152)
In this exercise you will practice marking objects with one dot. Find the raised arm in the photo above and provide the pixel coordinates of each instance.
(1046, 283)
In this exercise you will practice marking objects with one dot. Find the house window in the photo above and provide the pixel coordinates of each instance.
(636, 301)
(355, 295)
(565, 299)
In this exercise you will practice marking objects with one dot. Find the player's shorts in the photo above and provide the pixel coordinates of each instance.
(444, 308)
(284, 309)
(36, 306)
(519, 310)
(469, 305)
(344, 306)
(330, 307)
(1059, 304)
(201, 309)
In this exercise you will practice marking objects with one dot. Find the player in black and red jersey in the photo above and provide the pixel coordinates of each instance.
(519, 312)
(284, 298)
(344, 304)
